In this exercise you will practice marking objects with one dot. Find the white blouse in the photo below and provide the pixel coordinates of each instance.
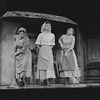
(45, 39)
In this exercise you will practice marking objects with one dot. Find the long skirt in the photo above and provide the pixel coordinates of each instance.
(69, 66)
(45, 68)
(24, 64)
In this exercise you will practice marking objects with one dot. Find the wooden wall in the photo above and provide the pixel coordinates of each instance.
(94, 50)
(7, 52)
(92, 69)
(81, 52)
(0, 47)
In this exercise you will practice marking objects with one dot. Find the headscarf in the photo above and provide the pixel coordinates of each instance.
(43, 27)
(25, 31)
(22, 29)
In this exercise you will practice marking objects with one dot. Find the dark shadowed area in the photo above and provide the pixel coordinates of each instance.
(83, 12)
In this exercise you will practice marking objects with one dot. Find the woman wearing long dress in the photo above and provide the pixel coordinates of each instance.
(45, 42)
(23, 57)
(69, 61)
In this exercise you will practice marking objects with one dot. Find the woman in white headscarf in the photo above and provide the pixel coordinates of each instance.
(45, 42)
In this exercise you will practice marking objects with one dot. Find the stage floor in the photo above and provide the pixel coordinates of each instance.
(54, 86)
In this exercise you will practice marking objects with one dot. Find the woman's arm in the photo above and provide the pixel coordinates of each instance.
(72, 43)
(21, 50)
(38, 46)
(60, 41)
(53, 41)
(24, 45)
(38, 40)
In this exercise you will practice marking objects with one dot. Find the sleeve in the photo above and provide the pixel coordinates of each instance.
(72, 42)
(53, 40)
(38, 41)
(60, 39)
(14, 39)
(15, 46)
(26, 43)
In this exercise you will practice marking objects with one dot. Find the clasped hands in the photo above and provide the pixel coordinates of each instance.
(67, 52)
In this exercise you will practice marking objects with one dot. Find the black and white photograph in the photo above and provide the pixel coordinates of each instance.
(49, 44)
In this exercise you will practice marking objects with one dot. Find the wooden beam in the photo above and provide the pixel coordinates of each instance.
(38, 15)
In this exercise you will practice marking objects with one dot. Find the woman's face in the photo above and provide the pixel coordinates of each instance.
(48, 27)
(22, 33)
(70, 31)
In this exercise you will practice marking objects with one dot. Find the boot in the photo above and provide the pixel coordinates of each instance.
(48, 82)
(44, 83)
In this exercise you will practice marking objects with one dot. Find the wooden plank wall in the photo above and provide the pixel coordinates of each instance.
(0, 48)
(81, 53)
(92, 72)
(7, 52)
(93, 50)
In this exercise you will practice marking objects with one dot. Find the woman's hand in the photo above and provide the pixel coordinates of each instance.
(51, 46)
(69, 50)
(38, 46)
(18, 52)
(66, 53)
(61, 45)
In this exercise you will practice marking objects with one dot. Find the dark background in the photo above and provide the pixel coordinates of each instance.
(83, 12)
